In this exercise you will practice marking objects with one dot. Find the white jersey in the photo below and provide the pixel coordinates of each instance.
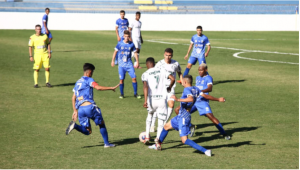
(156, 79)
(172, 68)
(136, 29)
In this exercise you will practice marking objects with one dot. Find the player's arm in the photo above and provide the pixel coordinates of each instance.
(75, 112)
(114, 55)
(208, 89)
(189, 50)
(130, 33)
(208, 50)
(209, 97)
(172, 78)
(117, 32)
(136, 59)
(188, 99)
(49, 48)
(141, 37)
(44, 23)
(102, 88)
(30, 53)
(145, 88)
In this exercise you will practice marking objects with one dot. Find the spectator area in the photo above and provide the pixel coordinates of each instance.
(152, 6)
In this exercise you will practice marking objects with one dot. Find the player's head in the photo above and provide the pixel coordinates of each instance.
(88, 69)
(168, 54)
(150, 62)
(138, 15)
(126, 36)
(199, 30)
(47, 10)
(187, 80)
(202, 69)
(38, 29)
(122, 14)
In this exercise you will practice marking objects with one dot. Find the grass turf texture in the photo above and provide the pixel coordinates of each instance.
(261, 109)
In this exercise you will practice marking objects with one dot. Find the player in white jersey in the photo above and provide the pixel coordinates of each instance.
(155, 93)
(136, 35)
(171, 66)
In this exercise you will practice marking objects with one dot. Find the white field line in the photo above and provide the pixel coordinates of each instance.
(243, 51)
(209, 39)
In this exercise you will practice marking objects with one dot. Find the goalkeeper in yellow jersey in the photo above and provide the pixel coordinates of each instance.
(41, 56)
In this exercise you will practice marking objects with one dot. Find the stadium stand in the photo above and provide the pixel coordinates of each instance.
(152, 6)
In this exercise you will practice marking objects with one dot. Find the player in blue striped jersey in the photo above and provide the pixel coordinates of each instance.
(85, 107)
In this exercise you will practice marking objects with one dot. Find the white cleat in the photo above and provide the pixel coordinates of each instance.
(155, 147)
(208, 152)
(109, 145)
(152, 129)
(70, 127)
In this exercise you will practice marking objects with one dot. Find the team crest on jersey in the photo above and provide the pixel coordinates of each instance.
(202, 82)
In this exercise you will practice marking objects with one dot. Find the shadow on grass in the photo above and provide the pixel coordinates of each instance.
(72, 51)
(228, 81)
(199, 126)
(66, 84)
(118, 143)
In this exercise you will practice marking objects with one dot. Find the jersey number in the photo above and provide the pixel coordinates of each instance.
(78, 84)
(157, 81)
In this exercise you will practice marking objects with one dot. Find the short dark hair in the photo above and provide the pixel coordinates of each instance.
(189, 79)
(122, 11)
(151, 60)
(199, 27)
(38, 25)
(138, 13)
(47, 9)
(88, 66)
(169, 50)
(126, 32)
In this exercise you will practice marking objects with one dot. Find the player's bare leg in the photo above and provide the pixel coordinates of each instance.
(36, 77)
(47, 74)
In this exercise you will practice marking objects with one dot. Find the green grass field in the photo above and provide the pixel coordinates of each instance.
(261, 110)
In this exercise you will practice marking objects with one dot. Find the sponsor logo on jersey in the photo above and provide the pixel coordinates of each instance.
(202, 82)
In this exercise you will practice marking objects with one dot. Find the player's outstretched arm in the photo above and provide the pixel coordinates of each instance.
(188, 52)
(145, 89)
(208, 50)
(171, 83)
(188, 99)
(113, 59)
(75, 112)
(102, 88)
(208, 89)
(209, 97)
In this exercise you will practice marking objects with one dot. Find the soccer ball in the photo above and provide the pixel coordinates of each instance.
(142, 136)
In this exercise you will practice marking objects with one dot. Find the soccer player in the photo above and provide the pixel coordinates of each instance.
(45, 29)
(155, 91)
(205, 83)
(124, 49)
(199, 41)
(171, 66)
(182, 121)
(136, 35)
(121, 25)
(40, 42)
(85, 107)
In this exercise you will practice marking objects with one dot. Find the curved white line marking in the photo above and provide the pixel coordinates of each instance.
(236, 55)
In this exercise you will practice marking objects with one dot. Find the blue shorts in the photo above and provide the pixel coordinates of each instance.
(193, 60)
(49, 35)
(123, 70)
(203, 108)
(85, 113)
(181, 124)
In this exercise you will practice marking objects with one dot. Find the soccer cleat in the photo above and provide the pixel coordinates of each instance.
(137, 96)
(48, 84)
(109, 145)
(152, 129)
(227, 137)
(146, 141)
(155, 147)
(121, 97)
(207, 152)
(192, 130)
(36, 86)
(70, 127)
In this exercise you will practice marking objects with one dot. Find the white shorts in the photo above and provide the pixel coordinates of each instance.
(137, 42)
(159, 106)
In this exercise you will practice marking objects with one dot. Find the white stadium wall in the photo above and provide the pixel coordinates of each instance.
(153, 22)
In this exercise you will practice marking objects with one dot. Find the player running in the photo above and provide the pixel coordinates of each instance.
(171, 66)
(199, 41)
(155, 91)
(41, 43)
(182, 121)
(136, 35)
(45, 29)
(85, 107)
(121, 25)
(124, 49)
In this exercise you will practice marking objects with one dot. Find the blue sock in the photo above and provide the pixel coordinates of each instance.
(81, 129)
(186, 72)
(134, 87)
(221, 129)
(163, 135)
(122, 89)
(104, 134)
(195, 145)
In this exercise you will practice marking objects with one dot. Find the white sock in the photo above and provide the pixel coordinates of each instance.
(153, 119)
(148, 123)
(160, 126)
(170, 110)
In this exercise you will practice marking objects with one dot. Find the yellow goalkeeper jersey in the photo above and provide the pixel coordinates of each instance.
(39, 43)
